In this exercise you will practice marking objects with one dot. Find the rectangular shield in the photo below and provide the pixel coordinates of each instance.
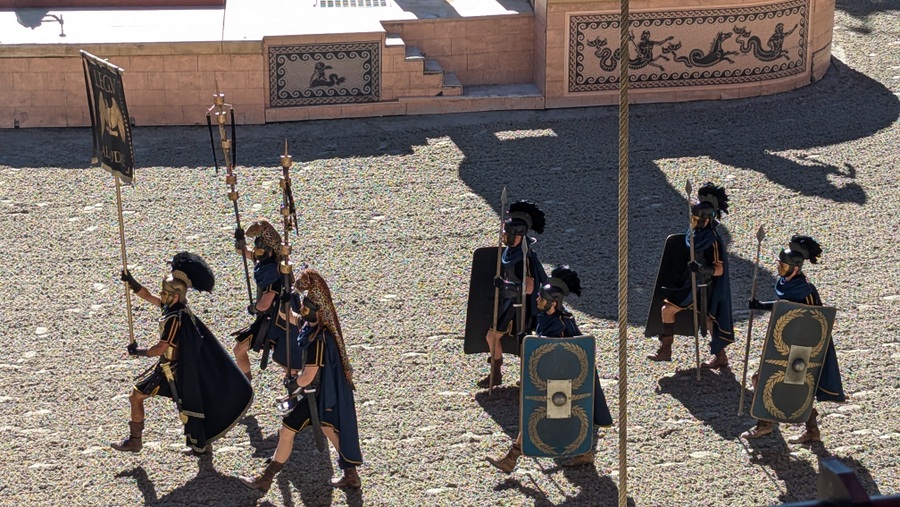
(480, 306)
(556, 399)
(109, 117)
(791, 362)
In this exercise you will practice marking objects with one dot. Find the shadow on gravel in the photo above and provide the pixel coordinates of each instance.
(859, 9)
(593, 489)
(208, 487)
(264, 447)
(774, 458)
(503, 407)
(714, 400)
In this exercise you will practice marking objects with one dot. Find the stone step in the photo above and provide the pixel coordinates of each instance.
(451, 81)
(393, 40)
(414, 54)
(432, 66)
(508, 90)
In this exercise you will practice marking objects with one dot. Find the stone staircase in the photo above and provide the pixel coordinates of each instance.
(412, 75)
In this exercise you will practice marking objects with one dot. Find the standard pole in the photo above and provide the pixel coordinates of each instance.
(689, 190)
(760, 236)
(124, 257)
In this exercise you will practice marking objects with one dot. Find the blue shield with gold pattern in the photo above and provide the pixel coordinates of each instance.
(556, 398)
(792, 357)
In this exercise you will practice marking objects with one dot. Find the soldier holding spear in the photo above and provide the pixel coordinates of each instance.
(695, 263)
(792, 285)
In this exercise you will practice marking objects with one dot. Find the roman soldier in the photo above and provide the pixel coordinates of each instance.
(326, 377)
(710, 266)
(193, 369)
(260, 334)
(793, 285)
(514, 283)
(555, 320)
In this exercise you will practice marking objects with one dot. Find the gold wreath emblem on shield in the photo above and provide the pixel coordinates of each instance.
(541, 385)
(784, 350)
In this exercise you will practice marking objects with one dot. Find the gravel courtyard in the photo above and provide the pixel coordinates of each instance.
(390, 212)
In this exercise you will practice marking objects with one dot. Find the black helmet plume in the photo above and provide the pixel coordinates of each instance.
(715, 196)
(195, 269)
(529, 213)
(563, 281)
(801, 248)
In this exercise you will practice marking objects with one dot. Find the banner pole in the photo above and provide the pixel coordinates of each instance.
(124, 257)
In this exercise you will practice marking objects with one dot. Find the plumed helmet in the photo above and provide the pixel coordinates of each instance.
(265, 231)
(712, 201)
(563, 281)
(799, 249)
(524, 216)
(189, 270)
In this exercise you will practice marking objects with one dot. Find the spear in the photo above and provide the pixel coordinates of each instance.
(690, 192)
(221, 111)
(760, 236)
(503, 201)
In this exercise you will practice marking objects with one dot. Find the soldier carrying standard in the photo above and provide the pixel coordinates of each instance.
(257, 336)
(674, 292)
(326, 377)
(193, 369)
(793, 286)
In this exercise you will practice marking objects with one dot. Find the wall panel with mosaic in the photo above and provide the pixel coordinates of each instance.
(319, 74)
(690, 47)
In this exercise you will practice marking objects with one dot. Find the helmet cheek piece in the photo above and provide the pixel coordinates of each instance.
(308, 310)
(172, 287)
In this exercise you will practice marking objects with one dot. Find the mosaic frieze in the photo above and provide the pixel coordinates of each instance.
(690, 48)
(317, 74)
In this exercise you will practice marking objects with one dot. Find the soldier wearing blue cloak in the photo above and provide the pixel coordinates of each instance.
(794, 286)
(318, 349)
(193, 369)
(555, 320)
(524, 216)
(258, 335)
(713, 282)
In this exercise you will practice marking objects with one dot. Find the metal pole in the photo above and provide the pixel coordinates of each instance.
(689, 190)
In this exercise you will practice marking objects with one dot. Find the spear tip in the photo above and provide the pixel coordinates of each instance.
(688, 188)
(285, 147)
(761, 234)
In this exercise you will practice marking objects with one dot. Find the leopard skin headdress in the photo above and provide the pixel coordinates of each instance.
(267, 232)
(317, 290)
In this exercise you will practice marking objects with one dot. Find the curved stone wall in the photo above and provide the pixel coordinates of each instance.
(709, 50)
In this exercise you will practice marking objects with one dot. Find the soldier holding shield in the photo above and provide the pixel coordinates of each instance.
(793, 285)
(555, 321)
(674, 287)
(326, 376)
(264, 253)
(193, 369)
(515, 310)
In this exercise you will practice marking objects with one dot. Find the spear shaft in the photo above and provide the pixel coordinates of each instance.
(497, 292)
(760, 235)
(696, 311)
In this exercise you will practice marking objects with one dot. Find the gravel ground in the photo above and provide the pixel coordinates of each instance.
(391, 210)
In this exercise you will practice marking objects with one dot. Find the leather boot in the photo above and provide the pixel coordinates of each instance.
(349, 480)
(485, 383)
(812, 431)
(719, 360)
(133, 442)
(761, 429)
(507, 463)
(579, 460)
(664, 352)
(264, 481)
